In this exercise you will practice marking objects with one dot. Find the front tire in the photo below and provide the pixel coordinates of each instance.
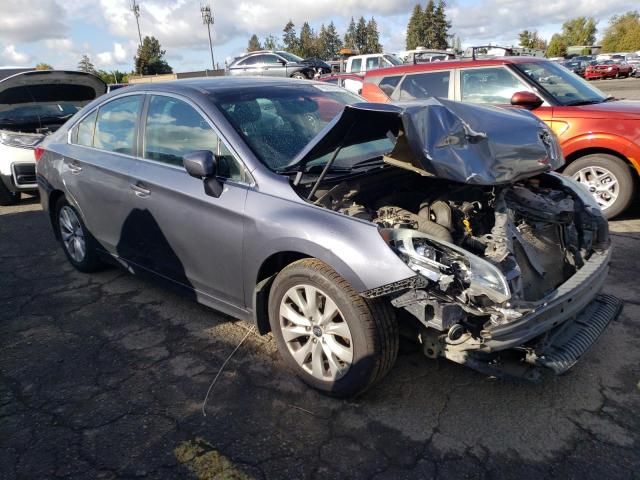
(336, 341)
(7, 197)
(299, 76)
(608, 178)
(77, 242)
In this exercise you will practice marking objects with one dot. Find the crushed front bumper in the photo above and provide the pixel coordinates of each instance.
(553, 337)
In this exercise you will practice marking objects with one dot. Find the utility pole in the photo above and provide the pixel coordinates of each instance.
(207, 19)
(135, 8)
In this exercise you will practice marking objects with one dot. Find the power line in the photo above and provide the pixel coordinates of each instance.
(207, 19)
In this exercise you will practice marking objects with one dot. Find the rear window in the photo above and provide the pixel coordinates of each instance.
(425, 85)
(389, 84)
(356, 65)
(116, 125)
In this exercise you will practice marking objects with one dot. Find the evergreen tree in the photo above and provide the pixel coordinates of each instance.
(350, 35)
(150, 58)
(427, 29)
(372, 43)
(254, 44)
(85, 65)
(361, 35)
(441, 27)
(329, 42)
(271, 43)
(414, 28)
(290, 39)
(308, 42)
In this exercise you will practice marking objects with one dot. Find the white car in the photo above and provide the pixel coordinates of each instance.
(32, 105)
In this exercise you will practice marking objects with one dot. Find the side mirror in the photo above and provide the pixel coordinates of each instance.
(282, 62)
(203, 164)
(528, 100)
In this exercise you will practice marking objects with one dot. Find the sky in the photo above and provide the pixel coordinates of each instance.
(59, 32)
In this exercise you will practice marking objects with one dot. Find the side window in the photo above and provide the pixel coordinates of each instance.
(489, 85)
(270, 59)
(356, 65)
(248, 61)
(424, 85)
(85, 130)
(373, 63)
(116, 125)
(389, 84)
(174, 128)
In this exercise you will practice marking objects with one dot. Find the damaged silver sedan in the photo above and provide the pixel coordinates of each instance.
(335, 224)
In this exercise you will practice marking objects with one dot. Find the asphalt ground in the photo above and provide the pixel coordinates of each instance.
(104, 376)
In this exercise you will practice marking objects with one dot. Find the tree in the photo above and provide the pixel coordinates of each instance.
(254, 44)
(360, 39)
(112, 77)
(44, 66)
(85, 65)
(271, 43)
(441, 27)
(329, 42)
(623, 33)
(579, 31)
(372, 38)
(150, 58)
(308, 42)
(289, 38)
(414, 28)
(427, 28)
(557, 46)
(350, 35)
(532, 40)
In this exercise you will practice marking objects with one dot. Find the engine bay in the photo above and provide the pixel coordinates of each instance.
(537, 232)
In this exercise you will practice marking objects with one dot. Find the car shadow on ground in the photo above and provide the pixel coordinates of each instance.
(105, 375)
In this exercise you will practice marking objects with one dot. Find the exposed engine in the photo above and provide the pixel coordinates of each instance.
(536, 232)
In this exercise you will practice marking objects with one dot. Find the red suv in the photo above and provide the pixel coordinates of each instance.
(599, 135)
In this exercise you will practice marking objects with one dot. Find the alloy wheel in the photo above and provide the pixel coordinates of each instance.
(72, 234)
(601, 183)
(316, 332)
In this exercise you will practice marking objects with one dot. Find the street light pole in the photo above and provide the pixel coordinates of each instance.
(135, 8)
(207, 19)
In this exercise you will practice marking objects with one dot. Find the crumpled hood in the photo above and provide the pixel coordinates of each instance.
(480, 145)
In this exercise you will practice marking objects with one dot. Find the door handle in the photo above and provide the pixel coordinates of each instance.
(140, 191)
(75, 168)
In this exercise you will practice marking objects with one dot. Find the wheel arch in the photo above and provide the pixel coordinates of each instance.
(582, 152)
(54, 197)
(266, 274)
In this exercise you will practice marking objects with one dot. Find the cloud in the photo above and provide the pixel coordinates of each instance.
(59, 44)
(10, 55)
(32, 20)
(118, 56)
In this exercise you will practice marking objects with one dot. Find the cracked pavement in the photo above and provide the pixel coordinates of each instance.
(104, 375)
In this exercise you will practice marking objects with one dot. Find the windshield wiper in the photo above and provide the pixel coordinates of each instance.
(588, 102)
(370, 162)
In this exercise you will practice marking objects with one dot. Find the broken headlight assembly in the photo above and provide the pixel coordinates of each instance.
(444, 263)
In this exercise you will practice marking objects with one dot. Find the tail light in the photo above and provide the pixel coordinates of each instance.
(38, 152)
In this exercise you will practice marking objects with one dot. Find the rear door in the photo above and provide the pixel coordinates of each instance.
(175, 229)
(97, 171)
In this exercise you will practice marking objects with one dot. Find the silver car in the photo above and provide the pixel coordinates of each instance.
(334, 223)
(272, 63)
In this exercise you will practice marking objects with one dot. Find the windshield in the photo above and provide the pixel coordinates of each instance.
(565, 87)
(393, 60)
(277, 122)
(290, 57)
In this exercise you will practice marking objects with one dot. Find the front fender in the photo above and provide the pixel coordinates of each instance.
(352, 247)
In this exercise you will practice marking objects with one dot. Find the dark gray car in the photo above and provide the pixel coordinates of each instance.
(333, 223)
(271, 63)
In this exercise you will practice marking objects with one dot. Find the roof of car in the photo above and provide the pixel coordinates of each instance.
(215, 84)
(421, 67)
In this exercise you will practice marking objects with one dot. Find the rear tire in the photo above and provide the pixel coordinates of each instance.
(356, 346)
(77, 242)
(617, 170)
(7, 197)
